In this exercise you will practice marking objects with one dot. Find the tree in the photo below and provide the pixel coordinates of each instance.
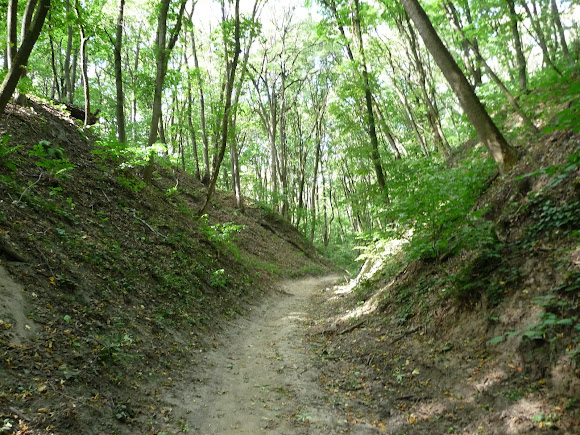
(453, 18)
(231, 66)
(520, 58)
(120, 100)
(502, 153)
(163, 51)
(20, 60)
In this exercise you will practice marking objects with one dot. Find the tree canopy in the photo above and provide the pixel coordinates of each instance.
(345, 116)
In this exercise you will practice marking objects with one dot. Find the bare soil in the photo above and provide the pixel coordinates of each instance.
(263, 377)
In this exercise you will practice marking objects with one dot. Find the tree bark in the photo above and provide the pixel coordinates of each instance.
(120, 101)
(84, 65)
(520, 58)
(21, 59)
(11, 32)
(315, 180)
(375, 155)
(56, 85)
(204, 135)
(503, 154)
(231, 75)
(164, 48)
(68, 87)
(540, 37)
(432, 113)
(558, 23)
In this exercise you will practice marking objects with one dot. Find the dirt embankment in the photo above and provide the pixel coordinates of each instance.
(112, 288)
(479, 342)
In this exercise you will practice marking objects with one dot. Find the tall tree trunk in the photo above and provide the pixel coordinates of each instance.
(234, 146)
(84, 64)
(488, 132)
(230, 79)
(163, 51)
(405, 102)
(84, 69)
(192, 131)
(21, 59)
(56, 85)
(68, 86)
(11, 32)
(134, 87)
(120, 102)
(73, 74)
(520, 58)
(204, 135)
(375, 156)
(315, 181)
(432, 113)
(541, 39)
(558, 23)
(369, 103)
(387, 131)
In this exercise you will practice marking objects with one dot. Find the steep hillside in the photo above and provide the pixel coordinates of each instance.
(107, 286)
(482, 341)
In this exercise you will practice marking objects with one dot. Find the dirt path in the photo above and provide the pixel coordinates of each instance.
(261, 379)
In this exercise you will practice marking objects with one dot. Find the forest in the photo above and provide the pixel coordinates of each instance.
(342, 116)
(155, 154)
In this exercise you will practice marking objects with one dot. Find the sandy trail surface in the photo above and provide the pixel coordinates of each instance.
(262, 378)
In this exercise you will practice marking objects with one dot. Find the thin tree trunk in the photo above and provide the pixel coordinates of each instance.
(540, 37)
(431, 110)
(387, 131)
(204, 137)
(315, 182)
(84, 64)
(192, 130)
(558, 23)
(120, 102)
(405, 102)
(74, 75)
(231, 75)
(11, 32)
(134, 86)
(163, 51)
(369, 103)
(67, 65)
(520, 58)
(56, 86)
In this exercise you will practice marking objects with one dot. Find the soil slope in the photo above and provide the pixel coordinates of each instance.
(110, 289)
(478, 342)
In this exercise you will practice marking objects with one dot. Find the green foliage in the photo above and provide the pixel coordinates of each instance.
(6, 151)
(223, 233)
(218, 278)
(342, 255)
(52, 158)
(558, 314)
(131, 183)
(122, 154)
(431, 203)
(115, 349)
(364, 290)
